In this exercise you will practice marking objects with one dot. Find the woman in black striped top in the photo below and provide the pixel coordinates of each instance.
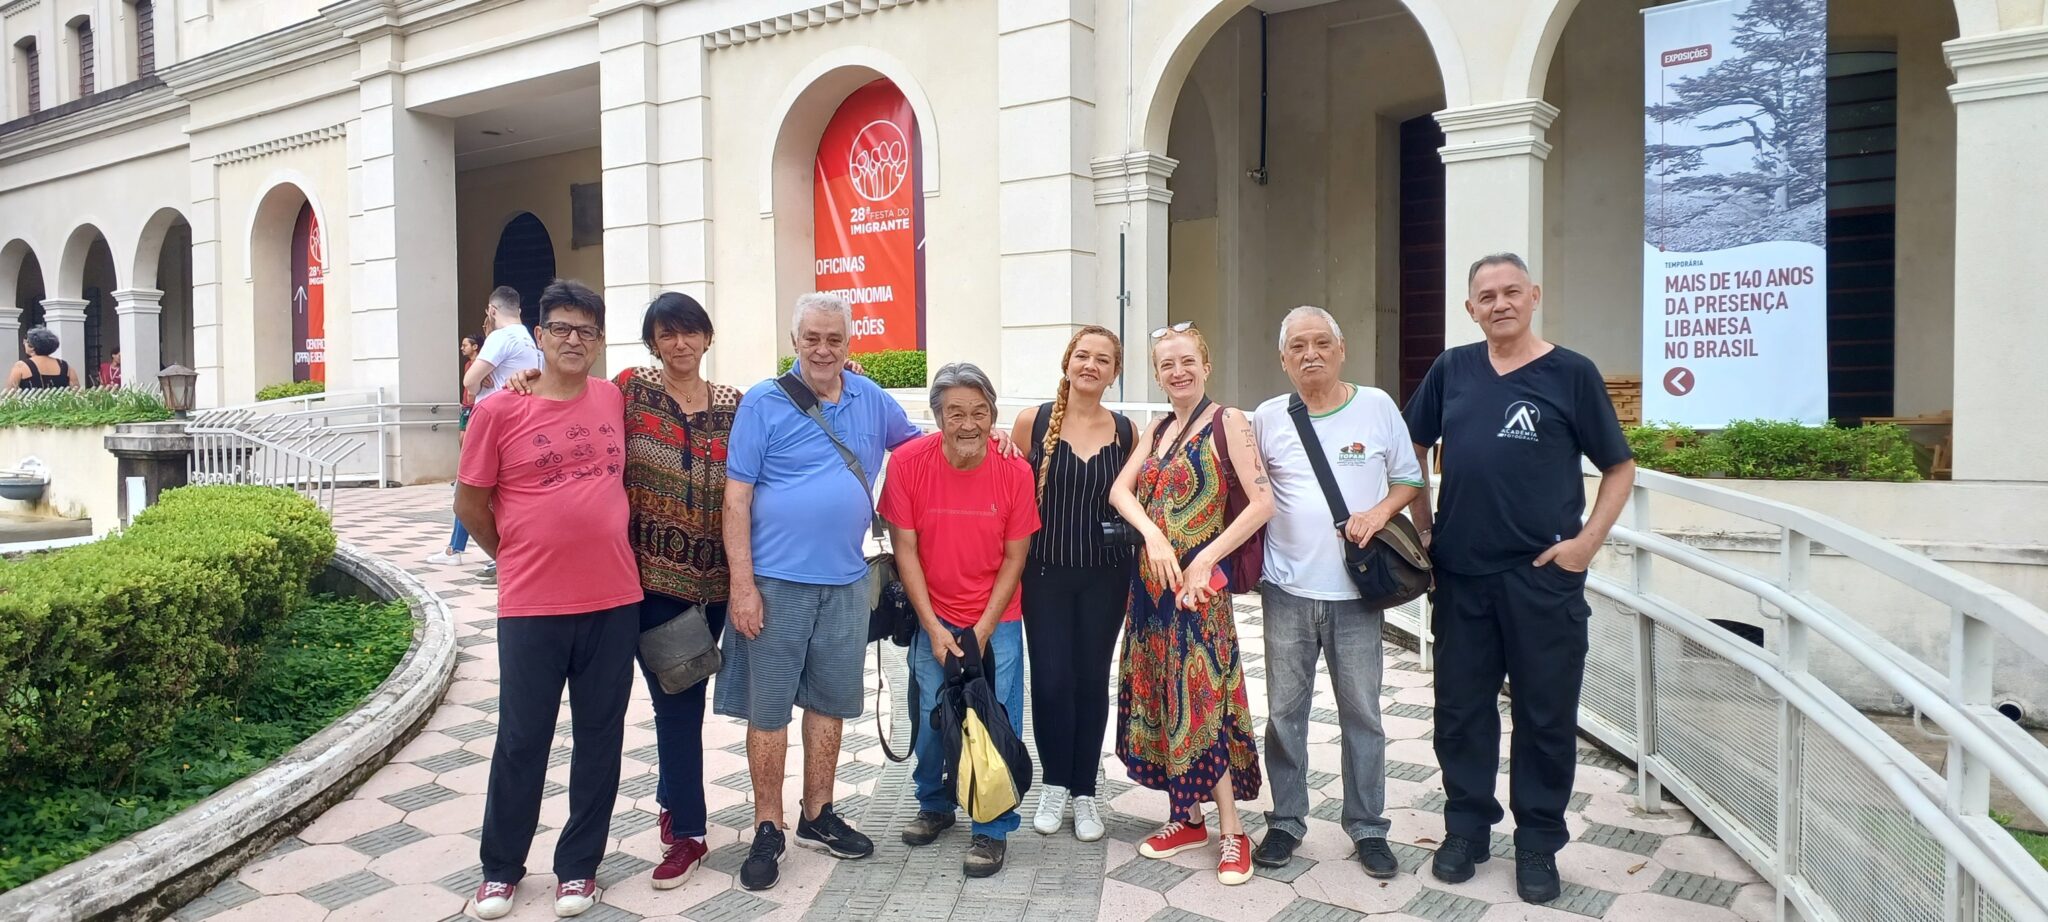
(1078, 580)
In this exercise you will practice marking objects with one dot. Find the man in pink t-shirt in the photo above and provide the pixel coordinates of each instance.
(542, 491)
(961, 519)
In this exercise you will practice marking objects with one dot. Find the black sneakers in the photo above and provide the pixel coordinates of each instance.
(984, 857)
(1536, 878)
(1378, 859)
(1276, 849)
(764, 860)
(926, 828)
(1455, 859)
(831, 835)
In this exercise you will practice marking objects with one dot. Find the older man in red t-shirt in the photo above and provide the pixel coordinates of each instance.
(961, 519)
(542, 491)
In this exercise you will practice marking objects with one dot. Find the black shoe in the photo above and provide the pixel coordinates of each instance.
(1276, 849)
(1379, 860)
(1536, 876)
(830, 834)
(1455, 859)
(764, 860)
(984, 856)
(926, 828)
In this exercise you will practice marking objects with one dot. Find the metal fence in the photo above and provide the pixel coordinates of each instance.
(313, 444)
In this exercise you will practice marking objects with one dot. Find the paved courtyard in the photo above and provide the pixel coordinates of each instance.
(403, 846)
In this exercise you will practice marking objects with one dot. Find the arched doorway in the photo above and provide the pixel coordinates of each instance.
(21, 287)
(525, 260)
(1291, 187)
(163, 263)
(82, 313)
(288, 274)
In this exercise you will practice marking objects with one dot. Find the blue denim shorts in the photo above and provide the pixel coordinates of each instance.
(808, 655)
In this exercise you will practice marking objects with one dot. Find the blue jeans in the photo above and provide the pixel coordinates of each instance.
(679, 722)
(1006, 647)
(458, 540)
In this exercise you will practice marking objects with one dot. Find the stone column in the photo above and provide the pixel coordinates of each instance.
(10, 334)
(1493, 183)
(1048, 242)
(140, 311)
(66, 318)
(629, 123)
(402, 177)
(1131, 202)
(2001, 88)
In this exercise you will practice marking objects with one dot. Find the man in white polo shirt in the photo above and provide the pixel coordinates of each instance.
(1311, 605)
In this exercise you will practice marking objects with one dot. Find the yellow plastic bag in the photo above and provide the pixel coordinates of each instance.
(985, 787)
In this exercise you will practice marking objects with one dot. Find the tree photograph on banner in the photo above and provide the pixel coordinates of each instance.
(1735, 212)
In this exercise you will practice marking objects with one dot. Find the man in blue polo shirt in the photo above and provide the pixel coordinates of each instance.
(1515, 415)
(795, 517)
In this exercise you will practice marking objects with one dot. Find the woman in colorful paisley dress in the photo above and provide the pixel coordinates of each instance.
(1184, 724)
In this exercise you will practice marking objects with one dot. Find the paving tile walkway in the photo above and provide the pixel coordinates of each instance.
(403, 846)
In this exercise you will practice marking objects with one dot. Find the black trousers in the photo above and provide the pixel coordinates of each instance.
(593, 654)
(679, 722)
(1527, 624)
(1071, 618)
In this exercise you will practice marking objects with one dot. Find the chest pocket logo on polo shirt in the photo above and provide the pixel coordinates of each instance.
(1522, 417)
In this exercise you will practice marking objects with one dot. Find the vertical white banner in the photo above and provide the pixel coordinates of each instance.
(1735, 212)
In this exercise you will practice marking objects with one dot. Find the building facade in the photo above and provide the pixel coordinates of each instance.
(266, 190)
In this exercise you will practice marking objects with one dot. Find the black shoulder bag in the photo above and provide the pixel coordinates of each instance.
(1393, 568)
(890, 616)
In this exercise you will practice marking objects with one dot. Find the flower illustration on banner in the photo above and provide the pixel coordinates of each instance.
(879, 160)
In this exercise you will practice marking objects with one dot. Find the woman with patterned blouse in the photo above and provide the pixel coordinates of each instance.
(676, 428)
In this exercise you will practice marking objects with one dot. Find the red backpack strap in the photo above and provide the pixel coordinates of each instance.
(1222, 448)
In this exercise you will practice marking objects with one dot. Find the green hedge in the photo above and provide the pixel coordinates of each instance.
(75, 409)
(103, 645)
(896, 368)
(1769, 450)
(291, 389)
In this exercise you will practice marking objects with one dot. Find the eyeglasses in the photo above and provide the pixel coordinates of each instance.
(1181, 327)
(584, 332)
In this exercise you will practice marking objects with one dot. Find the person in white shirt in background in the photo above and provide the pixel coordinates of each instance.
(1311, 605)
(509, 350)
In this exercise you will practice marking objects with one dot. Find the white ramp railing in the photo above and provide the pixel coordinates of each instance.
(1846, 823)
(312, 443)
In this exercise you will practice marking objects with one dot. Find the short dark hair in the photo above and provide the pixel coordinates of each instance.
(506, 298)
(42, 342)
(476, 339)
(673, 310)
(569, 294)
(1496, 259)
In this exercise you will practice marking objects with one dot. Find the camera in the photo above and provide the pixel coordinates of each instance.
(1116, 532)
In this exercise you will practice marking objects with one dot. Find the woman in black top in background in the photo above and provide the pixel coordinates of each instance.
(1078, 579)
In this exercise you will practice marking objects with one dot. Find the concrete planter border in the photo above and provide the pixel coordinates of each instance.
(150, 874)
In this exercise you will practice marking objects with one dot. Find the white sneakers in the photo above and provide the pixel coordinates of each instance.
(574, 897)
(1087, 820)
(1052, 808)
(446, 558)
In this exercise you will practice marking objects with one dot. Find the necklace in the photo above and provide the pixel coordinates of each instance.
(683, 400)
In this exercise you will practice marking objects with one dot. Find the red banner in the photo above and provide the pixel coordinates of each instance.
(870, 217)
(309, 298)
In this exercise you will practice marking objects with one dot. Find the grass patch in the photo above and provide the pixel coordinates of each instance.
(2035, 843)
(78, 409)
(317, 665)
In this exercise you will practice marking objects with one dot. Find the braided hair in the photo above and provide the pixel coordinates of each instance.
(1059, 401)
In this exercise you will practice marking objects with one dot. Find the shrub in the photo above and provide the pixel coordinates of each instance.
(291, 389)
(316, 666)
(104, 644)
(898, 368)
(75, 409)
(1773, 450)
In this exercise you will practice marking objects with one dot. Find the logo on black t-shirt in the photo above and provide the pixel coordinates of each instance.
(1522, 417)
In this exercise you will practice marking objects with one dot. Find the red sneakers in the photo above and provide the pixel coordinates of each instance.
(682, 859)
(494, 899)
(1235, 866)
(574, 897)
(668, 837)
(1174, 838)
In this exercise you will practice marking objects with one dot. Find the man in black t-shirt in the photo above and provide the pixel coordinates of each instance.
(1515, 414)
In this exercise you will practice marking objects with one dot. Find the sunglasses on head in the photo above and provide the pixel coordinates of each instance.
(1181, 327)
